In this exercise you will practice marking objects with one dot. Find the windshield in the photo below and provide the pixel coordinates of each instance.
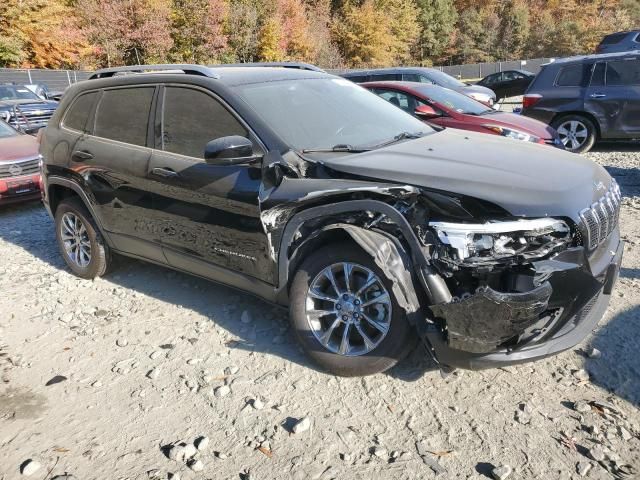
(6, 130)
(455, 101)
(323, 113)
(444, 80)
(11, 92)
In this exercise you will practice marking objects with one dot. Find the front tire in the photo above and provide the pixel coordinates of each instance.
(577, 133)
(79, 240)
(349, 328)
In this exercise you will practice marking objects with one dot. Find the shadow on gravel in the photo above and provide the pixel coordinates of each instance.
(618, 368)
(29, 227)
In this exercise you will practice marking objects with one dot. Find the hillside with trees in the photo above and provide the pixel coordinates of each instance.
(331, 33)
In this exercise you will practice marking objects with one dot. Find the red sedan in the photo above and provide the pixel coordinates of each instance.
(444, 107)
(19, 166)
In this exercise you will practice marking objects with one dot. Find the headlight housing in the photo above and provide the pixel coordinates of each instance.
(518, 241)
(482, 98)
(6, 115)
(511, 133)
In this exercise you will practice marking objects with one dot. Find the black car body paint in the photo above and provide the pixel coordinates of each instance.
(249, 226)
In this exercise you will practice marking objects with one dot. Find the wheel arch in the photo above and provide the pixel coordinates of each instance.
(60, 188)
(589, 116)
(400, 257)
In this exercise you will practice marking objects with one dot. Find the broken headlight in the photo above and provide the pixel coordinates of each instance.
(495, 242)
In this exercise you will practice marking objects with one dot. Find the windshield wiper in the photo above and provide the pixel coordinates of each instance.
(399, 137)
(342, 147)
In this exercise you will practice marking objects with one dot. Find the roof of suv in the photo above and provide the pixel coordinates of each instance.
(230, 76)
(599, 56)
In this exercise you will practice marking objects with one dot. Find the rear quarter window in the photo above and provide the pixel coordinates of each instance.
(570, 76)
(613, 38)
(79, 111)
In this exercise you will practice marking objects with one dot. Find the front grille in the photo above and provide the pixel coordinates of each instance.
(601, 218)
(30, 118)
(19, 169)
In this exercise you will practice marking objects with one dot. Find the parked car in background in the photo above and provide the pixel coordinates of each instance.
(19, 166)
(620, 42)
(422, 75)
(448, 108)
(23, 109)
(510, 83)
(376, 230)
(43, 91)
(588, 98)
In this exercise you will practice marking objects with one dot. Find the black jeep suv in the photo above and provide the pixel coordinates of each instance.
(590, 98)
(309, 191)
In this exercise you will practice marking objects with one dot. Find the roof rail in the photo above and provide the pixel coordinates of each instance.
(185, 68)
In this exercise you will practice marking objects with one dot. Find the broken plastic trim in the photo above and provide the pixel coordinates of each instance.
(434, 284)
(482, 322)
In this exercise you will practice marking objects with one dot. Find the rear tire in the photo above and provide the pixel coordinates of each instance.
(577, 133)
(82, 246)
(369, 314)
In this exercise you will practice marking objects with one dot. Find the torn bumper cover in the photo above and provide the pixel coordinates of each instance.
(482, 322)
(491, 329)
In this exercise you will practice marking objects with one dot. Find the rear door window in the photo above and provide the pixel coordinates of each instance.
(384, 77)
(358, 78)
(123, 115)
(597, 77)
(570, 76)
(623, 72)
(77, 116)
(191, 119)
(613, 38)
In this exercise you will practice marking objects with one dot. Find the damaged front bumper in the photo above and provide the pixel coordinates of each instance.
(492, 329)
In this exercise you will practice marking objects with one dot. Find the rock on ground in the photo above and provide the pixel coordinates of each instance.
(51, 328)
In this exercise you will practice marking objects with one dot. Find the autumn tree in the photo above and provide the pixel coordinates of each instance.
(378, 32)
(197, 30)
(242, 30)
(40, 33)
(437, 20)
(127, 31)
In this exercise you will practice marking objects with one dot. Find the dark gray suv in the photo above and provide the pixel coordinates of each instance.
(588, 99)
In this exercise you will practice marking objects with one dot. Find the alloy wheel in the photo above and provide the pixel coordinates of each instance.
(348, 309)
(75, 239)
(573, 134)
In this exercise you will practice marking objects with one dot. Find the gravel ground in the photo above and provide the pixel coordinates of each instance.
(101, 378)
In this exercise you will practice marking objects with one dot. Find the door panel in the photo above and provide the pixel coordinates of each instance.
(209, 212)
(613, 97)
(116, 172)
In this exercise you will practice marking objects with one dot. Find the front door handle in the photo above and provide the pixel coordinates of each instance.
(164, 172)
(598, 95)
(81, 156)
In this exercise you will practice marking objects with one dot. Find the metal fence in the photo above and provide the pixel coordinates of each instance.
(481, 70)
(56, 80)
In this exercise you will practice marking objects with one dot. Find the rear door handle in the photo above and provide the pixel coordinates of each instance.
(598, 95)
(81, 156)
(164, 172)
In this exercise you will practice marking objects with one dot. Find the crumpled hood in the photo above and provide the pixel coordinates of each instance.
(525, 179)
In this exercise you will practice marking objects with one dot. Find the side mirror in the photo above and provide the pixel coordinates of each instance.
(229, 150)
(426, 111)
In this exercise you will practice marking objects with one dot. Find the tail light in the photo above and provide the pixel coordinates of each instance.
(530, 100)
